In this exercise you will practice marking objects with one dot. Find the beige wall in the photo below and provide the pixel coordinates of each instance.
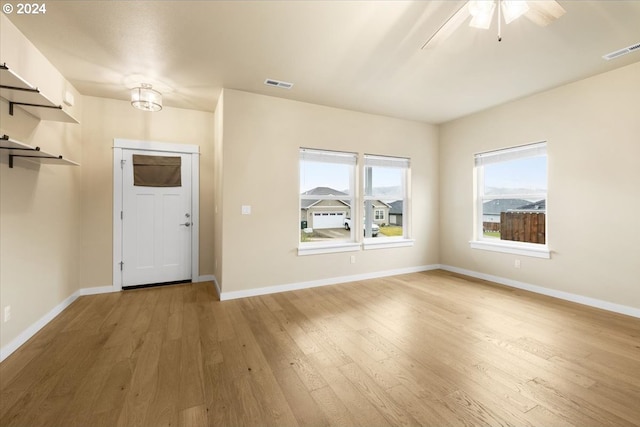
(56, 225)
(593, 132)
(39, 203)
(260, 142)
(106, 119)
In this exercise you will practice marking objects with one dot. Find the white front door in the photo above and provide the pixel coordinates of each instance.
(156, 225)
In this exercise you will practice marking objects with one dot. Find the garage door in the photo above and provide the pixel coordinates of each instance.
(328, 220)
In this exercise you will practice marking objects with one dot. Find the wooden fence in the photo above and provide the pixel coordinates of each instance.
(490, 226)
(523, 226)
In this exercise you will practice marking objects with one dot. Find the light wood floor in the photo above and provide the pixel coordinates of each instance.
(419, 349)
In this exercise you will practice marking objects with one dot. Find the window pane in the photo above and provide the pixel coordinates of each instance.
(326, 193)
(384, 181)
(156, 171)
(521, 176)
(325, 175)
(514, 219)
(384, 196)
(513, 195)
(384, 219)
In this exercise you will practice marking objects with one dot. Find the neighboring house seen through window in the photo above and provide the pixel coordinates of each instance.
(511, 210)
(326, 196)
(336, 216)
(385, 196)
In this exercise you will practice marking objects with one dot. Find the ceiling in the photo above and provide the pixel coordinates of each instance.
(358, 55)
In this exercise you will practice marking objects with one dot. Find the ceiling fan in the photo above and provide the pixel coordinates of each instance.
(541, 12)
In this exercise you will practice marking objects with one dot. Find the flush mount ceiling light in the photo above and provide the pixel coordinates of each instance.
(145, 98)
(482, 11)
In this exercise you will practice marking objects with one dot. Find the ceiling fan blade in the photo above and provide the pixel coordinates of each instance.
(449, 26)
(544, 12)
(482, 13)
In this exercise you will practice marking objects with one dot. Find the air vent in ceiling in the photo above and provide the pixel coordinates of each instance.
(278, 83)
(617, 53)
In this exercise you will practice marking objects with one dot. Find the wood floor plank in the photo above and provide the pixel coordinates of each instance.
(305, 409)
(144, 382)
(333, 408)
(164, 407)
(194, 416)
(557, 400)
(362, 410)
(395, 413)
(428, 348)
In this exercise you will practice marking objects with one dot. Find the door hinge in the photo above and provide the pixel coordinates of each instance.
(121, 215)
(121, 265)
(122, 162)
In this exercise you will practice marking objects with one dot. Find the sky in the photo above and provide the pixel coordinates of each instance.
(517, 174)
(315, 174)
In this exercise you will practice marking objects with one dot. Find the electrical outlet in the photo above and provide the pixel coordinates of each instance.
(516, 263)
(353, 259)
(7, 313)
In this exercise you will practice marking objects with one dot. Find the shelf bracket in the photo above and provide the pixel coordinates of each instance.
(11, 156)
(11, 104)
(23, 89)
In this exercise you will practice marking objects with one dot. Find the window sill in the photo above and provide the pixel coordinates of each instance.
(516, 248)
(383, 243)
(328, 248)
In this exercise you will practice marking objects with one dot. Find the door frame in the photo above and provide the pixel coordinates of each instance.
(131, 144)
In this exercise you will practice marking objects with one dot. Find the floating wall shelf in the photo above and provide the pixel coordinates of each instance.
(18, 92)
(30, 153)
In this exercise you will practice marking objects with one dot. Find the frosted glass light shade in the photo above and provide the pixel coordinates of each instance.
(145, 98)
(482, 13)
(513, 9)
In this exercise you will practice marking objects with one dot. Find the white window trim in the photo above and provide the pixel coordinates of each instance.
(328, 156)
(516, 248)
(403, 163)
(536, 250)
(386, 242)
(358, 198)
(314, 249)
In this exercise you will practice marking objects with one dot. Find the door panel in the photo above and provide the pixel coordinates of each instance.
(156, 227)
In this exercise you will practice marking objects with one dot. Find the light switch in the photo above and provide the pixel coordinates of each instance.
(246, 210)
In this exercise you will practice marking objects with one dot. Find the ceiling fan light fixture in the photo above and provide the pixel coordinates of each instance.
(145, 98)
(482, 13)
(513, 9)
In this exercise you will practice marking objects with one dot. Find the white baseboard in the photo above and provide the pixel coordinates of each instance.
(215, 282)
(34, 328)
(322, 282)
(567, 296)
(98, 290)
(25, 335)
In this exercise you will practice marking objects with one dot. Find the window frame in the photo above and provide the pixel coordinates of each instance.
(404, 163)
(338, 157)
(479, 241)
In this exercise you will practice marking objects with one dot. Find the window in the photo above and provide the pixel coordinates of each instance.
(156, 171)
(327, 195)
(512, 200)
(385, 202)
